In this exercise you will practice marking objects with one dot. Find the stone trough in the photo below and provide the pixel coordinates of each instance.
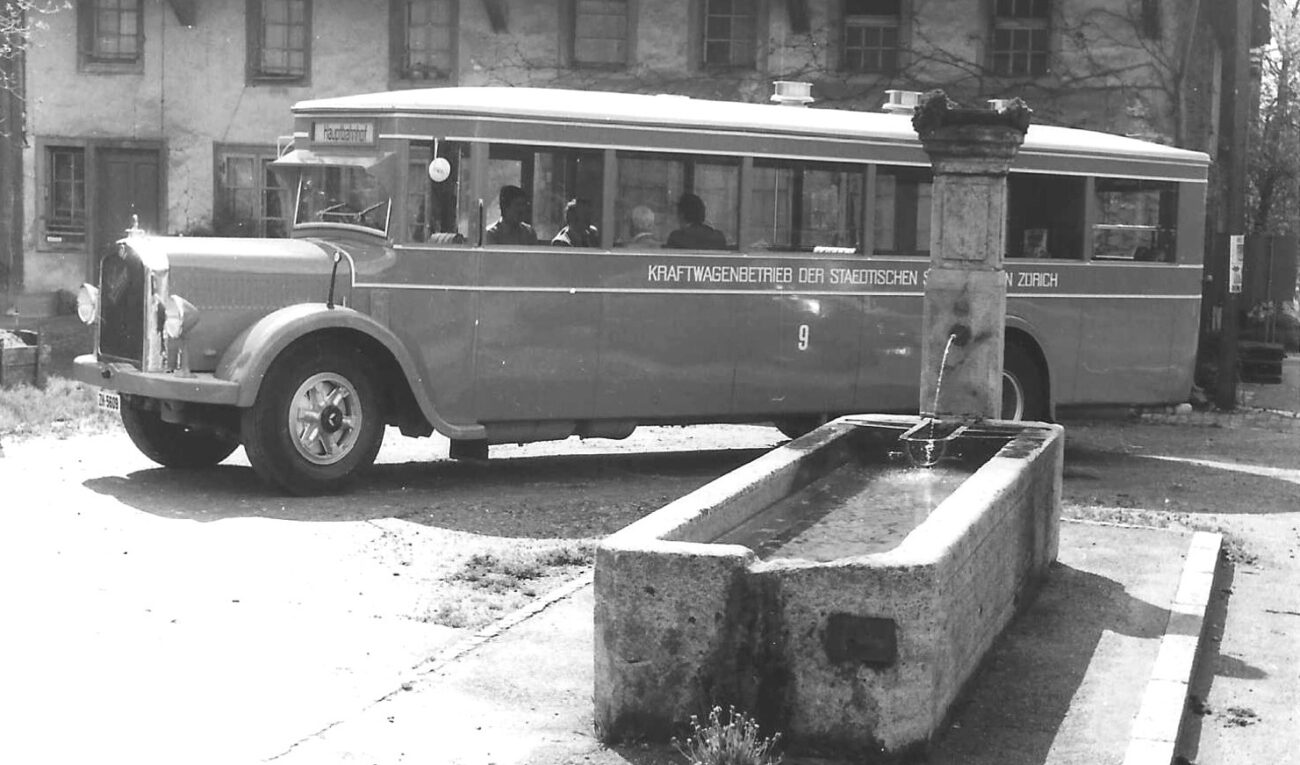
(838, 594)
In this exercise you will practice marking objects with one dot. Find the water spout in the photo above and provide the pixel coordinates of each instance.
(929, 449)
(933, 414)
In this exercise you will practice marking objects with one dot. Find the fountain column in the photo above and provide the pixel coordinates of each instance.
(971, 151)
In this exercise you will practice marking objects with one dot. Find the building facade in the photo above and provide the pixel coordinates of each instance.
(168, 111)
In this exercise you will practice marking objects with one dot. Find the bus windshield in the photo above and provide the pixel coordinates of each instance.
(352, 195)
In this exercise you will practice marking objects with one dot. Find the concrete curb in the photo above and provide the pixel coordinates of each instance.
(1241, 418)
(1159, 718)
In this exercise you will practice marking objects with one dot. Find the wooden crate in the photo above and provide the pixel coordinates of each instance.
(25, 365)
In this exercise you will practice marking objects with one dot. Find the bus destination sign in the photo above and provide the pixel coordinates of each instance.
(344, 133)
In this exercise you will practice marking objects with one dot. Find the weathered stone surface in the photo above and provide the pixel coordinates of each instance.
(864, 654)
(968, 306)
(963, 324)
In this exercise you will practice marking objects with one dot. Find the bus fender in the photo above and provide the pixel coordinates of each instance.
(1022, 332)
(253, 351)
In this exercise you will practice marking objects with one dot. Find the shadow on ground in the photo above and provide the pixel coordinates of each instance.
(1018, 701)
(1195, 470)
(562, 496)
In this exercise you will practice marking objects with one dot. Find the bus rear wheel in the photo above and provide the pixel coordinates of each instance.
(1024, 395)
(316, 422)
(793, 427)
(171, 444)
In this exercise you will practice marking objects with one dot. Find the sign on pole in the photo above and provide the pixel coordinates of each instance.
(1236, 261)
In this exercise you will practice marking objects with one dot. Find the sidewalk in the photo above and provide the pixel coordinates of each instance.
(1095, 671)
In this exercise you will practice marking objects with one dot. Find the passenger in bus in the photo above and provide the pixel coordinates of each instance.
(578, 230)
(694, 233)
(512, 228)
(643, 227)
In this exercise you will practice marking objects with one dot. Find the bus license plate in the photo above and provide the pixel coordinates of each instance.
(110, 402)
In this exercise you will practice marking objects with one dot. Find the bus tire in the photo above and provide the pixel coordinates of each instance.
(793, 427)
(171, 444)
(1024, 394)
(317, 420)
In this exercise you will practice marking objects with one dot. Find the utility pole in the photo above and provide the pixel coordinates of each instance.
(1235, 202)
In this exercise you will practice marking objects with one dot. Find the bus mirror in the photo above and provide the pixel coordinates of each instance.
(439, 169)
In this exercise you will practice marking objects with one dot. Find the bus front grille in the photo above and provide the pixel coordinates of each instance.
(123, 288)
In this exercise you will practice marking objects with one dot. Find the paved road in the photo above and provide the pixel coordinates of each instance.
(156, 616)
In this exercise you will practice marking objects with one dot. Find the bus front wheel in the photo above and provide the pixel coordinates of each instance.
(317, 420)
(1024, 395)
(171, 444)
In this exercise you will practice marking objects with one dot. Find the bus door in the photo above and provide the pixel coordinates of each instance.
(538, 320)
(800, 352)
(1125, 352)
(891, 282)
(889, 375)
(799, 348)
(1125, 349)
(671, 318)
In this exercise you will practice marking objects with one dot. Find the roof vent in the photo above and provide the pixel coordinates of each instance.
(792, 93)
(901, 101)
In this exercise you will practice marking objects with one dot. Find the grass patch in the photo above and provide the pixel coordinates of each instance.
(489, 585)
(62, 408)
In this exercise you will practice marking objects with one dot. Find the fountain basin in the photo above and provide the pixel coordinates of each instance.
(740, 594)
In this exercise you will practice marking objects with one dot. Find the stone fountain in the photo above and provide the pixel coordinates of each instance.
(844, 587)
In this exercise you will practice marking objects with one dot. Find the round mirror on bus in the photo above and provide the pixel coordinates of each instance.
(439, 169)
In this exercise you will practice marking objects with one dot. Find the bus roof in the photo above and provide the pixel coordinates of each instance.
(682, 113)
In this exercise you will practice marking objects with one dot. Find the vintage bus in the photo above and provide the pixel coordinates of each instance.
(401, 299)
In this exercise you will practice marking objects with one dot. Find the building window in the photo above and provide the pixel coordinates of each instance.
(65, 196)
(730, 33)
(111, 34)
(279, 35)
(424, 39)
(1020, 38)
(249, 199)
(871, 34)
(600, 33)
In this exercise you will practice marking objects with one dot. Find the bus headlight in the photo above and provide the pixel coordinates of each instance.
(88, 303)
(180, 315)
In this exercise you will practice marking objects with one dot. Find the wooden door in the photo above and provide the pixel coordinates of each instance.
(128, 182)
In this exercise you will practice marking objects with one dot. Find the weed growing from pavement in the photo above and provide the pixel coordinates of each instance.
(734, 740)
(63, 408)
(498, 582)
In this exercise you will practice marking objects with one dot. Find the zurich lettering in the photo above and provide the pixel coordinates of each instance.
(1040, 279)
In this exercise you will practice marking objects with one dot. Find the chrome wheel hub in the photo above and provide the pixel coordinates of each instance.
(325, 418)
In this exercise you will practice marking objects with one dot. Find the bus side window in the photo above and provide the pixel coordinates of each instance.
(1136, 220)
(651, 185)
(549, 178)
(802, 206)
(902, 211)
(1045, 216)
